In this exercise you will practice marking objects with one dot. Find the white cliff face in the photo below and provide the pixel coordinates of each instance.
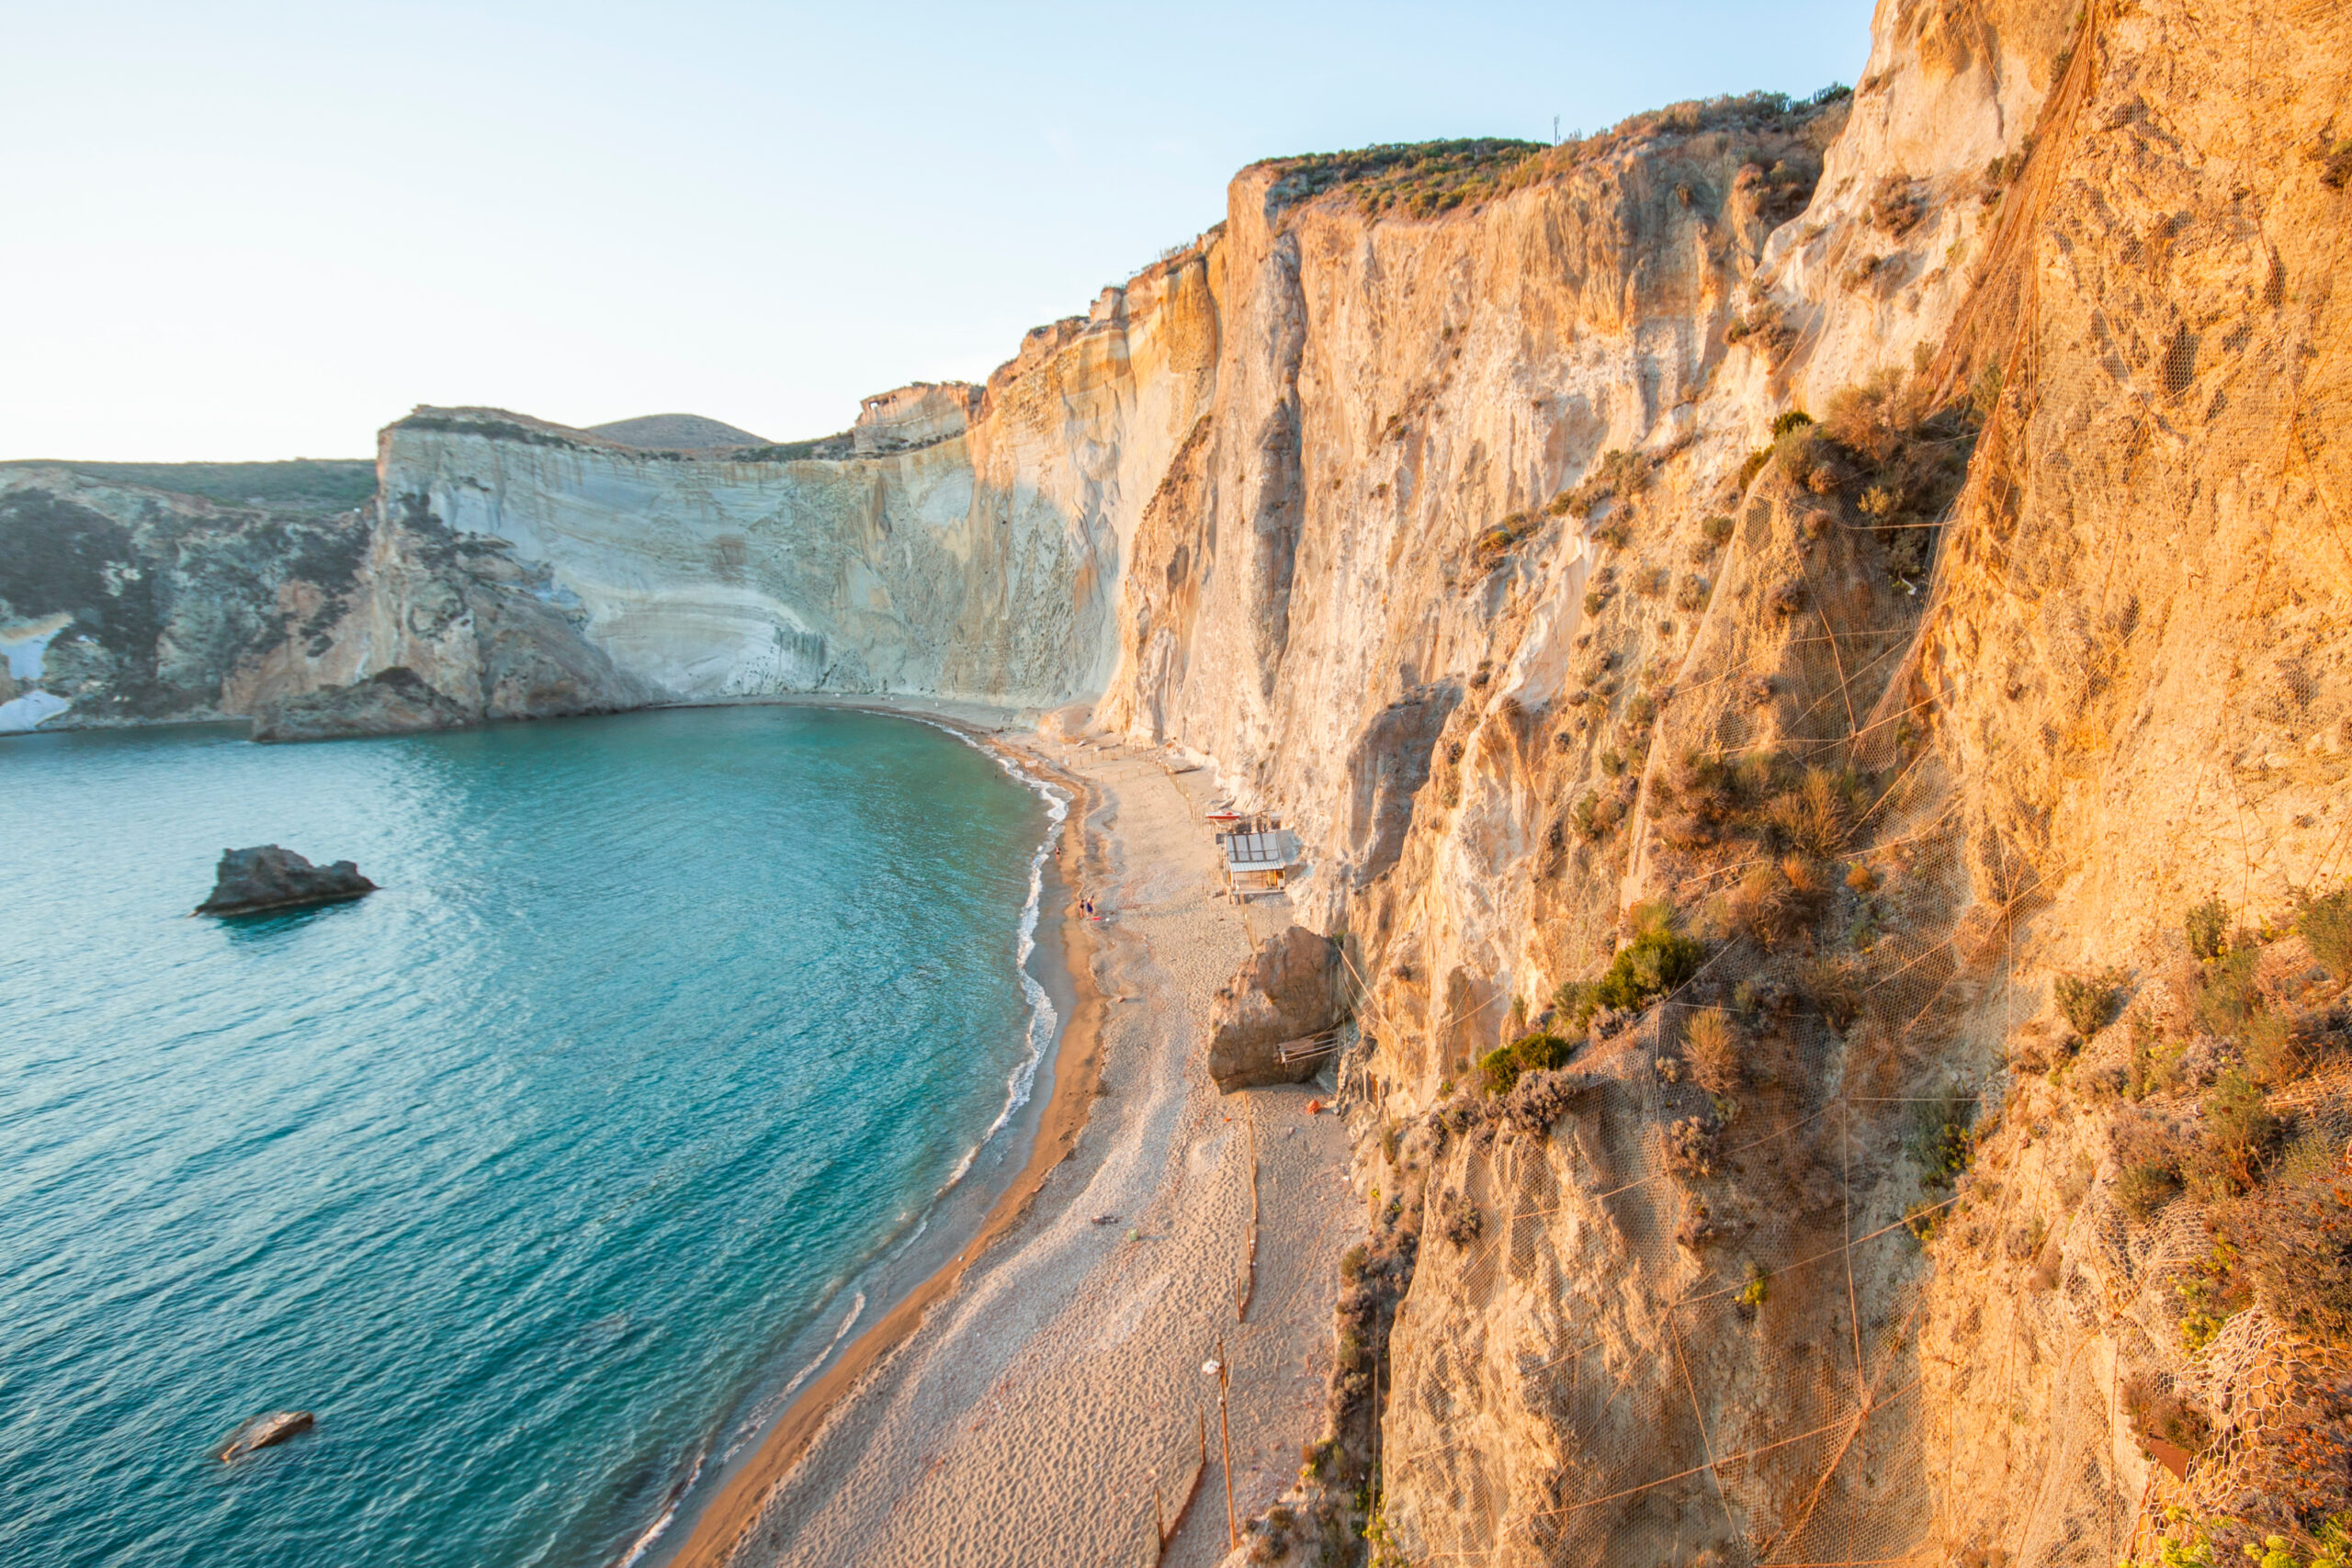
(923, 554)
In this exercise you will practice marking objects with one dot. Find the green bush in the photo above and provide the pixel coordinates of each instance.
(1794, 419)
(2088, 1000)
(1655, 962)
(1502, 1067)
(2226, 997)
(1717, 530)
(2207, 927)
(2239, 1133)
(1420, 178)
(2326, 925)
(1942, 1139)
(2147, 1186)
(2299, 1253)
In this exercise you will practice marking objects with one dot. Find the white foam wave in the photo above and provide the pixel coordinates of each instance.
(1043, 1018)
(770, 1407)
(644, 1542)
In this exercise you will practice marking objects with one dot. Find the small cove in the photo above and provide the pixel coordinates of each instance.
(537, 1175)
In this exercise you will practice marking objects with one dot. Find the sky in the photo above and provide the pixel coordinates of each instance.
(234, 231)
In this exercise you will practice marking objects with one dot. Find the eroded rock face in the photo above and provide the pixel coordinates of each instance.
(1288, 991)
(120, 605)
(265, 877)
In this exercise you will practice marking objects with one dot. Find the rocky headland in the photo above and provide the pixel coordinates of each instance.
(1806, 646)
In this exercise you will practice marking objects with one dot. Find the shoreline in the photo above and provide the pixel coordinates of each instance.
(720, 1525)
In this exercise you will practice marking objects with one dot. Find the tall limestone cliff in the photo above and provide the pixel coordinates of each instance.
(957, 541)
(1840, 797)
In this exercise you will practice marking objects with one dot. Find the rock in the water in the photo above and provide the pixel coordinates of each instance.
(267, 877)
(1288, 991)
(264, 1431)
(390, 702)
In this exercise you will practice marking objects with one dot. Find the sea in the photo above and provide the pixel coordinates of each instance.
(674, 1046)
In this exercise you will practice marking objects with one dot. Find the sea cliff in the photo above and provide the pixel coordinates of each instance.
(1883, 547)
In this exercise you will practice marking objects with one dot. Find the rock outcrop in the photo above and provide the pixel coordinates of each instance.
(253, 881)
(262, 1432)
(1289, 991)
(120, 605)
(390, 702)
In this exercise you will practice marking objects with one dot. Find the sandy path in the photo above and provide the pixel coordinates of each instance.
(1024, 1422)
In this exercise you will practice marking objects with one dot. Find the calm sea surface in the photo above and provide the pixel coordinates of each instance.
(534, 1175)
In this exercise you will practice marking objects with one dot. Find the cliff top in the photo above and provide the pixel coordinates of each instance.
(318, 485)
(1422, 179)
(676, 432)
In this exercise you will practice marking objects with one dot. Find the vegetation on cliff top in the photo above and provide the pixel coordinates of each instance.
(311, 485)
(1422, 179)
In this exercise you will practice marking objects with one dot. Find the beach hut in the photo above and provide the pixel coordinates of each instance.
(1257, 855)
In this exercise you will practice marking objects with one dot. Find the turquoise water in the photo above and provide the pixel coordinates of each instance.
(535, 1175)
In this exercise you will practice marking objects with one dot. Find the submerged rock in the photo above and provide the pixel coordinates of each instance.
(391, 702)
(264, 1431)
(1287, 993)
(267, 877)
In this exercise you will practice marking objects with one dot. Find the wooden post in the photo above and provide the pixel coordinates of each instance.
(1159, 1522)
(1225, 1441)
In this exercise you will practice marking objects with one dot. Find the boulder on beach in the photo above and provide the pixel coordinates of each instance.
(267, 877)
(1287, 993)
(264, 1431)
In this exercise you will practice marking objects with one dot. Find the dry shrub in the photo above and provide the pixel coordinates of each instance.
(2145, 1189)
(1692, 1146)
(2327, 926)
(2089, 1001)
(1772, 903)
(2157, 1412)
(2239, 1133)
(1805, 878)
(1686, 831)
(1836, 986)
(2300, 1251)
(1712, 1045)
(1874, 419)
(1816, 816)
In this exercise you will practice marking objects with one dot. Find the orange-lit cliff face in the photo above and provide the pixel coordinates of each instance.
(1486, 547)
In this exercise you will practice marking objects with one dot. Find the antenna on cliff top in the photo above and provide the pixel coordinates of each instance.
(1555, 131)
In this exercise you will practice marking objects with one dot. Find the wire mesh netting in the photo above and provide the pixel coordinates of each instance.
(1635, 1362)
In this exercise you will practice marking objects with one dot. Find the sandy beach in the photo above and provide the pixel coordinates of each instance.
(1041, 1397)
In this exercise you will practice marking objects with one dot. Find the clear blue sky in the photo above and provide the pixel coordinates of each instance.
(243, 230)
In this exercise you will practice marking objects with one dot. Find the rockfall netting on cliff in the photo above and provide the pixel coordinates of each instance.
(1798, 1321)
